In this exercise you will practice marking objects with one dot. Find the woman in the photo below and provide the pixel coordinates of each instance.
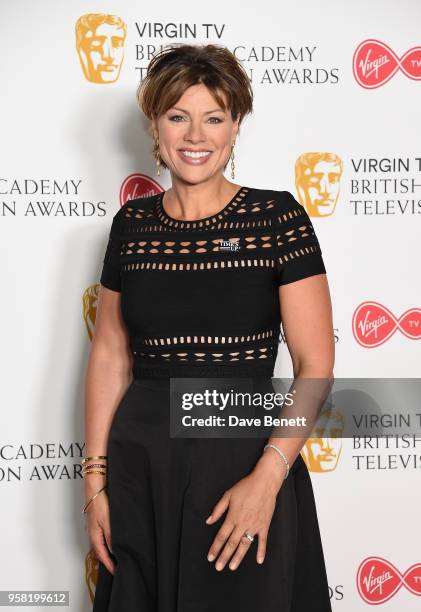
(176, 302)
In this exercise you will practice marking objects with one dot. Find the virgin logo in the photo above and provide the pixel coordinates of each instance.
(374, 63)
(373, 324)
(378, 580)
(138, 186)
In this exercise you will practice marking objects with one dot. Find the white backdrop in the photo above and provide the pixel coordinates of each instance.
(70, 145)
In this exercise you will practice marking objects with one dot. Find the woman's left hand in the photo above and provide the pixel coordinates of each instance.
(251, 503)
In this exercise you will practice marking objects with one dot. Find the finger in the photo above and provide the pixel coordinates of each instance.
(103, 556)
(101, 551)
(219, 508)
(261, 548)
(219, 540)
(106, 530)
(107, 535)
(242, 549)
(230, 548)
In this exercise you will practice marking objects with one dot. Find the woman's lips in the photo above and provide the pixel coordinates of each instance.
(194, 161)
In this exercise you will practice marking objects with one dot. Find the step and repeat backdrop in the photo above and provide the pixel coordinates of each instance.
(336, 122)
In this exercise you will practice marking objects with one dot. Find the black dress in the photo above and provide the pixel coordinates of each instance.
(196, 305)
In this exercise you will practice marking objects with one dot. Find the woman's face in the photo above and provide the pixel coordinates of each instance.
(195, 135)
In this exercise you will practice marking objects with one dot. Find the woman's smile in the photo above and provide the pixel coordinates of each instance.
(194, 157)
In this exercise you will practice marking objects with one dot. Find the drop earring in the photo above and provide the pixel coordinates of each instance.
(157, 158)
(232, 161)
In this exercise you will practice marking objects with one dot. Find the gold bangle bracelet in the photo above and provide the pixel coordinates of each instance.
(94, 465)
(95, 472)
(85, 459)
(92, 498)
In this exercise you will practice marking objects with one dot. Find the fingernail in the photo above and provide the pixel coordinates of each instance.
(209, 518)
(233, 566)
(260, 560)
(211, 557)
(218, 566)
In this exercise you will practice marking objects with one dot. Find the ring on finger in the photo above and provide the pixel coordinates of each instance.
(248, 535)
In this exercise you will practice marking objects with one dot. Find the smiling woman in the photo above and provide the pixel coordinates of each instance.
(214, 523)
(196, 136)
(227, 94)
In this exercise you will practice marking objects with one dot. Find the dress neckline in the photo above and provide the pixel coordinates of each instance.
(237, 198)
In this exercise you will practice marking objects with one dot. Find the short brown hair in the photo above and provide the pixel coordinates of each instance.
(177, 67)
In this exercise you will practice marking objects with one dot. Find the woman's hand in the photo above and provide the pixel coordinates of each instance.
(251, 503)
(98, 528)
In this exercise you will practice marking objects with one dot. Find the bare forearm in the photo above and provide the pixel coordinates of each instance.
(270, 465)
(106, 381)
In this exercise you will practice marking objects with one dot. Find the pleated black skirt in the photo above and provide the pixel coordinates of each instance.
(162, 489)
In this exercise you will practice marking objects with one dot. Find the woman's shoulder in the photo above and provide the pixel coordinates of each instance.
(281, 201)
(137, 208)
(142, 204)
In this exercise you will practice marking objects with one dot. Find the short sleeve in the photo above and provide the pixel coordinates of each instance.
(111, 270)
(298, 253)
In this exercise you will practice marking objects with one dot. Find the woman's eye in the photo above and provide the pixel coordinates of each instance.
(175, 118)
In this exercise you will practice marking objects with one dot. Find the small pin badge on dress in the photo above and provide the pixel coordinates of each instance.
(229, 245)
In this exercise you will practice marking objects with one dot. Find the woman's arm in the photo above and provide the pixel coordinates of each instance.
(306, 313)
(107, 377)
(108, 374)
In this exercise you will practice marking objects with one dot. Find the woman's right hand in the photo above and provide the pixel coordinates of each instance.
(98, 528)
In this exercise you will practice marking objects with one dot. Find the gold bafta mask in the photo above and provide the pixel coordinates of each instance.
(317, 179)
(100, 45)
(322, 450)
(89, 304)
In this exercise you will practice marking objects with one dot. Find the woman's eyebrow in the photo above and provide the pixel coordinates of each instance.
(206, 113)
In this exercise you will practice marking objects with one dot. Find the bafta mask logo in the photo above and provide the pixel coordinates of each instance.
(89, 304)
(322, 450)
(100, 45)
(317, 179)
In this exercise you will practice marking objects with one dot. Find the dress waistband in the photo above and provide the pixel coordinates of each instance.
(156, 371)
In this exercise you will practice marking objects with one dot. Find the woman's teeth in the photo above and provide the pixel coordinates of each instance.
(195, 154)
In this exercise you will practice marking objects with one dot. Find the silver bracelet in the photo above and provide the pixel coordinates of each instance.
(281, 454)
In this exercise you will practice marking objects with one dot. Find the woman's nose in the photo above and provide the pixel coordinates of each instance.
(194, 132)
